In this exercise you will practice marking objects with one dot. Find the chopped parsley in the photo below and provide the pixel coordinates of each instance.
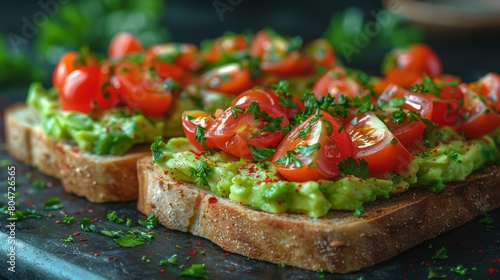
(39, 184)
(133, 238)
(350, 166)
(53, 204)
(145, 259)
(197, 271)
(434, 275)
(488, 221)
(260, 154)
(113, 217)
(459, 269)
(155, 149)
(150, 222)
(67, 240)
(307, 150)
(451, 154)
(87, 225)
(5, 163)
(68, 220)
(359, 210)
(201, 173)
(288, 159)
(441, 254)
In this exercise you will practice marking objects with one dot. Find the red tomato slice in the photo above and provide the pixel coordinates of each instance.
(321, 52)
(234, 131)
(410, 131)
(418, 58)
(316, 154)
(142, 91)
(232, 79)
(336, 83)
(272, 98)
(481, 120)
(489, 87)
(123, 44)
(277, 58)
(227, 45)
(201, 121)
(176, 61)
(374, 142)
(401, 77)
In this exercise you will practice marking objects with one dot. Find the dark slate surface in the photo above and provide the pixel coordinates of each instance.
(41, 255)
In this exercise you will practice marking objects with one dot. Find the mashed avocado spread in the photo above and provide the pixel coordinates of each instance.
(113, 132)
(260, 186)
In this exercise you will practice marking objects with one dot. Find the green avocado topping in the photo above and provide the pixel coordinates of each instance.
(260, 186)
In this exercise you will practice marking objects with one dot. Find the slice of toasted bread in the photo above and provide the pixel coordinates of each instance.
(97, 178)
(338, 242)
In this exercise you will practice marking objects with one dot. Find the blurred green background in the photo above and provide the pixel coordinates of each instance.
(34, 34)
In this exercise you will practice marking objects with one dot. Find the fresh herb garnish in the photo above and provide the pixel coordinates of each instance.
(87, 225)
(459, 269)
(307, 150)
(128, 222)
(260, 154)
(68, 220)
(453, 155)
(441, 254)
(67, 240)
(288, 159)
(39, 184)
(359, 210)
(53, 204)
(201, 172)
(350, 166)
(433, 275)
(235, 111)
(196, 270)
(134, 238)
(145, 259)
(113, 217)
(150, 222)
(156, 149)
(488, 220)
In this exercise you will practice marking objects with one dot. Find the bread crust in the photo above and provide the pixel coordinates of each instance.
(338, 242)
(97, 178)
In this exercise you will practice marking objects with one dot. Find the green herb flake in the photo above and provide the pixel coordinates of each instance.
(113, 217)
(39, 184)
(87, 225)
(360, 209)
(197, 271)
(350, 166)
(280, 265)
(145, 259)
(53, 204)
(134, 238)
(459, 269)
(288, 159)
(453, 155)
(150, 222)
(260, 154)
(67, 240)
(128, 222)
(68, 220)
(307, 150)
(441, 254)
(200, 173)
(5, 163)
(157, 153)
(488, 221)
(433, 275)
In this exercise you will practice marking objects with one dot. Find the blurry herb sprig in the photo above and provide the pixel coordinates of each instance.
(77, 23)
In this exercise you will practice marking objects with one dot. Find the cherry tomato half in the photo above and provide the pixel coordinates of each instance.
(69, 62)
(141, 90)
(418, 58)
(194, 124)
(232, 78)
(408, 129)
(489, 87)
(123, 44)
(336, 83)
(236, 129)
(374, 142)
(316, 154)
(226, 46)
(321, 52)
(480, 120)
